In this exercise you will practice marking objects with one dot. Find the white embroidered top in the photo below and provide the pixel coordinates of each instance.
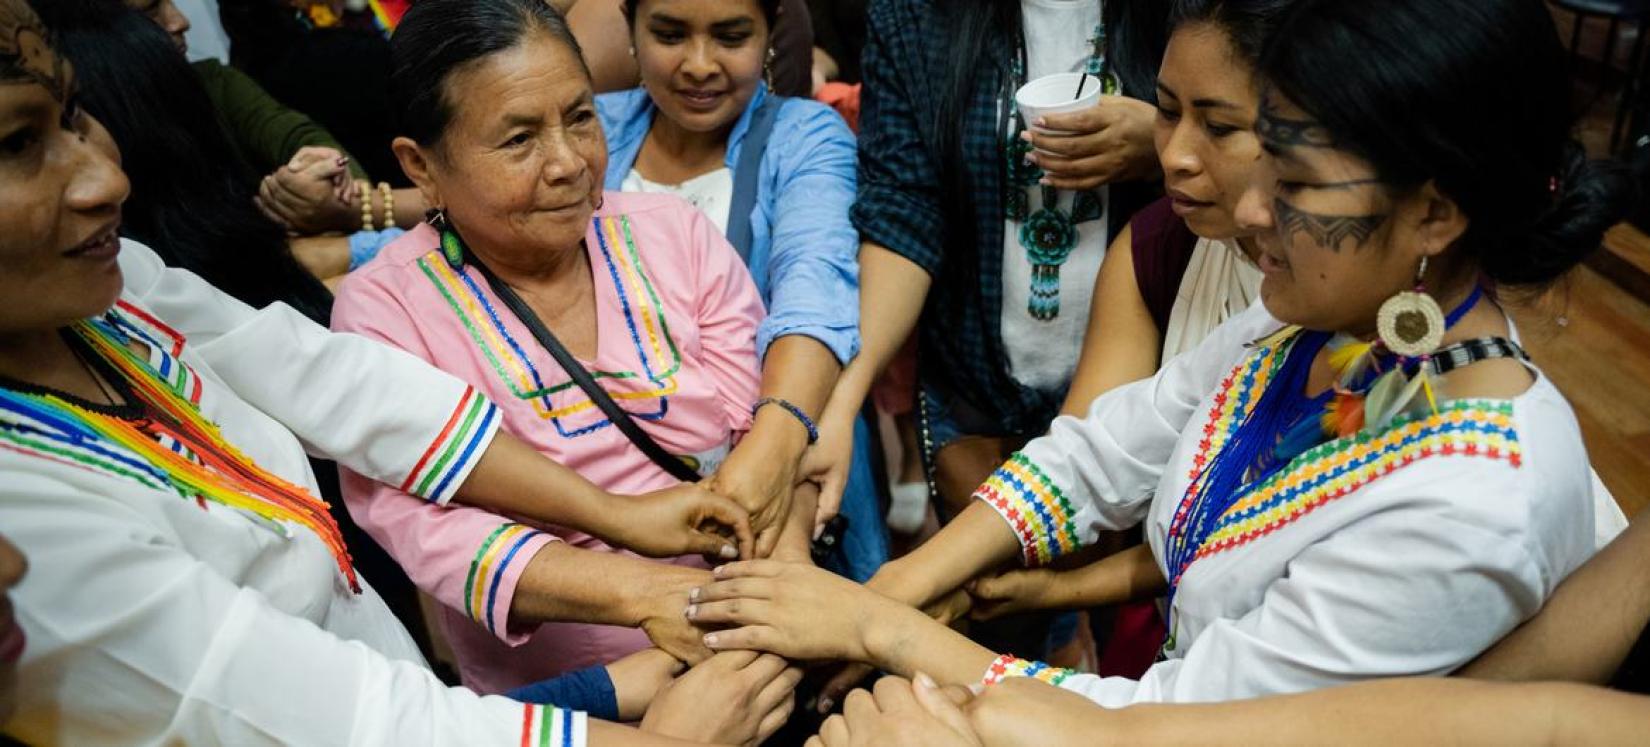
(152, 618)
(1404, 553)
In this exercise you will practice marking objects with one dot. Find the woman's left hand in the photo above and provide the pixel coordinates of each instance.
(900, 712)
(794, 610)
(1106, 143)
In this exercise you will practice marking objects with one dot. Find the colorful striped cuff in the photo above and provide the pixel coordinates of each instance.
(455, 450)
(493, 558)
(1034, 507)
(549, 726)
(1007, 666)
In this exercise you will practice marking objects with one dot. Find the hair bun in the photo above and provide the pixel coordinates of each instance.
(1589, 196)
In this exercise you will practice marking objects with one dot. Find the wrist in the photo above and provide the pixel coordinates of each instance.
(778, 433)
(665, 593)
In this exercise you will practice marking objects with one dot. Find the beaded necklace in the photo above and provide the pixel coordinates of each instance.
(160, 436)
(1283, 424)
(1049, 234)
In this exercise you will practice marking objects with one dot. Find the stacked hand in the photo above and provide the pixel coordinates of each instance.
(738, 697)
(761, 480)
(900, 712)
(687, 519)
(312, 193)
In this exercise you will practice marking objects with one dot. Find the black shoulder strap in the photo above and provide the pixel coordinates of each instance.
(746, 171)
(621, 419)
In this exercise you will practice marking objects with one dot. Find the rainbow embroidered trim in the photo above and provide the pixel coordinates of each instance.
(1007, 666)
(164, 356)
(549, 726)
(1034, 507)
(658, 360)
(454, 449)
(492, 559)
(1476, 428)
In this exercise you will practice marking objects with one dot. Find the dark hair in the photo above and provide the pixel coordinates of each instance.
(191, 191)
(1248, 23)
(770, 11)
(1472, 96)
(438, 37)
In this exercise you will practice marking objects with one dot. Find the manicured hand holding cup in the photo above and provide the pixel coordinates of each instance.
(1104, 144)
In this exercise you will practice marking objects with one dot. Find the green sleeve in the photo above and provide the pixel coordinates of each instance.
(266, 132)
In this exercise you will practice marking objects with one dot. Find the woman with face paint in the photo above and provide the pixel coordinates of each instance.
(1360, 476)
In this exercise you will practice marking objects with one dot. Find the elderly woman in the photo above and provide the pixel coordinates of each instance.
(526, 259)
(187, 586)
(776, 176)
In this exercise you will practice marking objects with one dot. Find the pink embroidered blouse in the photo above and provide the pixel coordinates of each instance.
(676, 315)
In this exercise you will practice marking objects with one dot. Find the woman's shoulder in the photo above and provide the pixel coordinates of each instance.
(618, 107)
(644, 205)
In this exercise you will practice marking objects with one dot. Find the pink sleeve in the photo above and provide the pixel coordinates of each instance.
(729, 312)
(468, 558)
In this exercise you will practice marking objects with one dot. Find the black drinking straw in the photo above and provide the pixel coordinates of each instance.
(1082, 79)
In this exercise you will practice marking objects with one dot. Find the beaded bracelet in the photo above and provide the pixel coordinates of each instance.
(389, 203)
(807, 422)
(366, 204)
(1011, 666)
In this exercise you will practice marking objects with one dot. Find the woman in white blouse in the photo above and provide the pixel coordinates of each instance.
(187, 587)
(1326, 509)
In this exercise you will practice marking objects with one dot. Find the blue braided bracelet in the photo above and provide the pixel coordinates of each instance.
(807, 422)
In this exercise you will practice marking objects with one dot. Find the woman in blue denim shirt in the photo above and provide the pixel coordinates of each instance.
(702, 105)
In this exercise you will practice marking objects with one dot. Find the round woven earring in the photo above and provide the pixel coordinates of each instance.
(1411, 323)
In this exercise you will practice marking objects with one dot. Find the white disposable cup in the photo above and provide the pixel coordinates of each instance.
(1052, 94)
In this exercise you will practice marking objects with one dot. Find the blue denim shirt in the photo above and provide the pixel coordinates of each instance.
(804, 251)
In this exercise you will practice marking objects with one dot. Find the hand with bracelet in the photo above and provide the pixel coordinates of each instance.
(761, 474)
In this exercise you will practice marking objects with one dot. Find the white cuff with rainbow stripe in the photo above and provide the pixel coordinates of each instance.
(1034, 507)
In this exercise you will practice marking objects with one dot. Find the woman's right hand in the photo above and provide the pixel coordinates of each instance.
(900, 712)
(794, 610)
(736, 697)
(686, 519)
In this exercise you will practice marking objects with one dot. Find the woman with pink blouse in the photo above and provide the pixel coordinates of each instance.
(641, 289)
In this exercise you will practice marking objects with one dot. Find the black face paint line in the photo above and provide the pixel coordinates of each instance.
(26, 54)
(1328, 231)
(1281, 132)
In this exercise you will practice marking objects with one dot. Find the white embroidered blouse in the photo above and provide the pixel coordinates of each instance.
(1404, 553)
(153, 618)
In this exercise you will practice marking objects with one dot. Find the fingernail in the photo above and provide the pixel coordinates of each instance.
(825, 705)
(1043, 181)
(717, 571)
(819, 531)
(925, 682)
(693, 609)
(693, 594)
(977, 688)
(1041, 122)
(1025, 135)
(710, 640)
(729, 552)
